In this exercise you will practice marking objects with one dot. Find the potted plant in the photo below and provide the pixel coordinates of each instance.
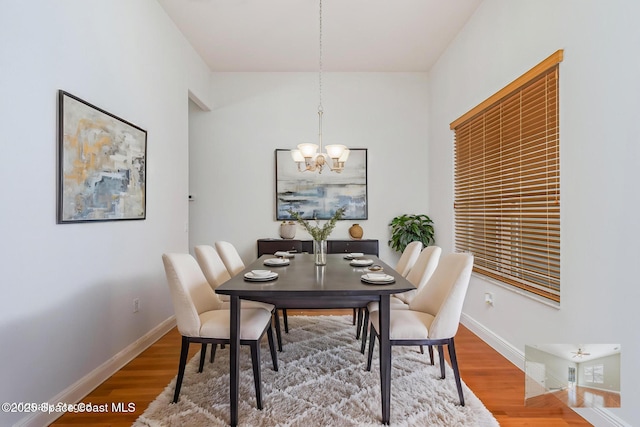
(409, 228)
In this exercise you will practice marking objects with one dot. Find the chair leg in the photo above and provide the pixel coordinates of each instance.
(203, 354)
(372, 343)
(257, 380)
(441, 356)
(430, 348)
(359, 326)
(276, 320)
(184, 352)
(272, 348)
(421, 349)
(354, 316)
(456, 371)
(213, 352)
(286, 321)
(365, 326)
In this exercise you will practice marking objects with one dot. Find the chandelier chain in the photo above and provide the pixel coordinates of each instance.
(320, 61)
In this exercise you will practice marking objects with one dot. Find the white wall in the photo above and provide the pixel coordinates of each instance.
(600, 154)
(232, 156)
(67, 290)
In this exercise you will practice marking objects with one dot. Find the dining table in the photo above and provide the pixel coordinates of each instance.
(301, 284)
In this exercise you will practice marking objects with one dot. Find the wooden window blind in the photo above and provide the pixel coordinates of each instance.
(507, 183)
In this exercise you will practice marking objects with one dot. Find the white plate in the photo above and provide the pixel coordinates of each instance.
(276, 262)
(253, 278)
(353, 255)
(369, 270)
(361, 262)
(377, 279)
(284, 254)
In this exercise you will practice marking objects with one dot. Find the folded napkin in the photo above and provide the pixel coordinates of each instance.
(378, 277)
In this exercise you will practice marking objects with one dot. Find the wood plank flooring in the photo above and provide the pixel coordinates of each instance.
(498, 383)
(579, 397)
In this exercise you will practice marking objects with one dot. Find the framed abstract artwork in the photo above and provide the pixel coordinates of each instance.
(101, 164)
(317, 195)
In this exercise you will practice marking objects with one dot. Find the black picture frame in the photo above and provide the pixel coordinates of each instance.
(319, 195)
(102, 163)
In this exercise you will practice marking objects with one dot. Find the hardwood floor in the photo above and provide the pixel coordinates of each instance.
(579, 397)
(498, 383)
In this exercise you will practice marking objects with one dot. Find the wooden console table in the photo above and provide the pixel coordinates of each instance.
(270, 246)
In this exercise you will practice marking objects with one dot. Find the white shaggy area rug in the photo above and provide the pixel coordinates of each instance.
(322, 381)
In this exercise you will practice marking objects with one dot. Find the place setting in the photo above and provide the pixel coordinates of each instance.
(284, 254)
(377, 278)
(361, 262)
(277, 262)
(260, 276)
(353, 255)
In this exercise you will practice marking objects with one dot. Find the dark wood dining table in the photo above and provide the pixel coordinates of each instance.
(303, 285)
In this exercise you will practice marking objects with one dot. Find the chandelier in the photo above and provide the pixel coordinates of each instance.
(307, 156)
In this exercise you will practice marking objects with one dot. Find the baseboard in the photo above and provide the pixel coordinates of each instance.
(599, 417)
(77, 391)
(511, 353)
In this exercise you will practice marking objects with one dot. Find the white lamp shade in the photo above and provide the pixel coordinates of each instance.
(307, 149)
(297, 156)
(345, 155)
(335, 151)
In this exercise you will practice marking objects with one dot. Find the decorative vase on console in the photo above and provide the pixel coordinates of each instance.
(319, 233)
(288, 230)
(356, 232)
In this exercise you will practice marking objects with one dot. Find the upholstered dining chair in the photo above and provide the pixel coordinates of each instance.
(433, 315)
(403, 266)
(418, 276)
(230, 257)
(216, 273)
(234, 264)
(201, 319)
(408, 258)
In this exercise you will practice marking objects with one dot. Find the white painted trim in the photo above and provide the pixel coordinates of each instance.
(511, 353)
(76, 392)
(599, 417)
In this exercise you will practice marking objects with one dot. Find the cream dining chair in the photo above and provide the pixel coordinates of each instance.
(216, 273)
(433, 315)
(408, 258)
(230, 257)
(235, 265)
(418, 276)
(201, 319)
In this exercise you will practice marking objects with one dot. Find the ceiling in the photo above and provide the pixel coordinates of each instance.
(565, 350)
(283, 35)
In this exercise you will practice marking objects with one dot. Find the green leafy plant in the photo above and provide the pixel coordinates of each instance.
(409, 228)
(318, 232)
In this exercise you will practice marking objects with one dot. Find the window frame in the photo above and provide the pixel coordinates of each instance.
(515, 251)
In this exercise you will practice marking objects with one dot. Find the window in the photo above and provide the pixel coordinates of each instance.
(594, 374)
(507, 183)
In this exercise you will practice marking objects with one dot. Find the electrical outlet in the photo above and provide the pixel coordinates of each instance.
(488, 298)
(136, 305)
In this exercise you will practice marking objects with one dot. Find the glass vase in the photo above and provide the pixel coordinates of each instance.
(320, 252)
